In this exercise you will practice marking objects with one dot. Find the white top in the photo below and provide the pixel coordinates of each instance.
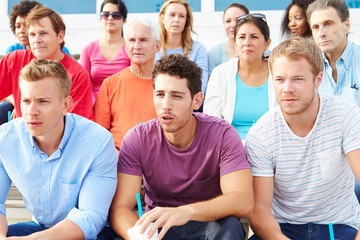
(221, 92)
(313, 181)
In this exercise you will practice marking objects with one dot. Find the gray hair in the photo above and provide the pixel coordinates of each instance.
(154, 28)
(339, 5)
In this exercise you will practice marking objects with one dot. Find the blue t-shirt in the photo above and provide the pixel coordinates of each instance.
(18, 46)
(250, 104)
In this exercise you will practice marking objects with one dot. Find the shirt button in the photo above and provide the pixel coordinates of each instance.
(46, 210)
(44, 187)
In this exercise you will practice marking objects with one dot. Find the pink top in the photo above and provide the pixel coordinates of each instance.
(99, 67)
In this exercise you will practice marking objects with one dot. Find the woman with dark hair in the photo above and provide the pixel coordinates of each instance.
(294, 22)
(240, 91)
(225, 51)
(176, 26)
(107, 56)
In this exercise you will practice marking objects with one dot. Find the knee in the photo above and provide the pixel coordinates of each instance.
(231, 227)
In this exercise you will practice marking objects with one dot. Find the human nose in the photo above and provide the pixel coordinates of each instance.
(322, 31)
(233, 24)
(292, 22)
(32, 109)
(22, 28)
(288, 87)
(167, 103)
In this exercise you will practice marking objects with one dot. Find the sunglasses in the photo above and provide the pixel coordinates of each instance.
(257, 15)
(115, 15)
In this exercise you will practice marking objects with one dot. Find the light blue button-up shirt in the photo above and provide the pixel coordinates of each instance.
(77, 182)
(348, 80)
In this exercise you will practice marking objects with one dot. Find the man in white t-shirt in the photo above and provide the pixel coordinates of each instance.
(303, 153)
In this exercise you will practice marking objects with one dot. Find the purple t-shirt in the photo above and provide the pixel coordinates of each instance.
(175, 177)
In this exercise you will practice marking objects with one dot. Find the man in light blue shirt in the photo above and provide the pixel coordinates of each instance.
(330, 24)
(64, 165)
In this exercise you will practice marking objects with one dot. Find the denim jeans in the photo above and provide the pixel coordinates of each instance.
(228, 228)
(223, 229)
(312, 231)
(5, 107)
(27, 228)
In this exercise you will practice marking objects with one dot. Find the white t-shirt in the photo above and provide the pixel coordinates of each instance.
(313, 181)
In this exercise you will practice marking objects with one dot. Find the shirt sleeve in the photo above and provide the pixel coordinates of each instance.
(4, 188)
(260, 161)
(232, 155)
(201, 60)
(5, 76)
(102, 107)
(97, 191)
(81, 94)
(215, 94)
(85, 59)
(129, 156)
(351, 129)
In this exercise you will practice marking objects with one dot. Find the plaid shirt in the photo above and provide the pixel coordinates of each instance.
(348, 69)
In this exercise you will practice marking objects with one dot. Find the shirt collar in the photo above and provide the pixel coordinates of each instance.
(345, 56)
(69, 125)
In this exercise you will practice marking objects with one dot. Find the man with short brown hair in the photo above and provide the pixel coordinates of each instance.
(46, 36)
(66, 185)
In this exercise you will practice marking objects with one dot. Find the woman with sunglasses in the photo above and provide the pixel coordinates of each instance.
(225, 51)
(176, 22)
(294, 22)
(240, 91)
(107, 56)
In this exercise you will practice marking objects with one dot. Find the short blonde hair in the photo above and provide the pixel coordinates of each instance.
(296, 48)
(39, 69)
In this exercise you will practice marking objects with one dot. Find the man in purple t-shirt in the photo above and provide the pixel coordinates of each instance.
(196, 175)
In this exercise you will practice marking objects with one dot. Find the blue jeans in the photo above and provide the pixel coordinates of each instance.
(223, 229)
(27, 228)
(5, 107)
(312, 231)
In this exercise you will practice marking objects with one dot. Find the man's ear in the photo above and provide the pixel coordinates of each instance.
(67, 104)
(197, 100)
(61, 37)
(318, 79)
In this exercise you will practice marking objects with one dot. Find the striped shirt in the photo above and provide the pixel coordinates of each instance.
(348, 71)
(313, 181)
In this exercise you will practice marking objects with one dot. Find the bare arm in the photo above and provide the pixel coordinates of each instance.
(262, 221)
(354, 161)
(236, 200)
(121, 216)
(3, 226)
(65, 229)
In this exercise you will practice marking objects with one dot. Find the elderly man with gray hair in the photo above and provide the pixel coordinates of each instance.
(125, 98)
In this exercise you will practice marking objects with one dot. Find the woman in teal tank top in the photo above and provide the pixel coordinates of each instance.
(240, 91)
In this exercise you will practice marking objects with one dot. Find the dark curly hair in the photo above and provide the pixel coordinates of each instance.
(22, 9)
(285, 31)
(180, 66)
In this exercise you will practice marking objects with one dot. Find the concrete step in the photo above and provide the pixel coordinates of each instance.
(15, 207)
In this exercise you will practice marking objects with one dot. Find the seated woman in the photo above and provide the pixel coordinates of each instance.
(225, 51)
(240, 91)
(17, 24)
(176, 21)
(294, 22)
(106, 56)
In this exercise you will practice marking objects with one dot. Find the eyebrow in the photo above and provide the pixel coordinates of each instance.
(172, 92)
